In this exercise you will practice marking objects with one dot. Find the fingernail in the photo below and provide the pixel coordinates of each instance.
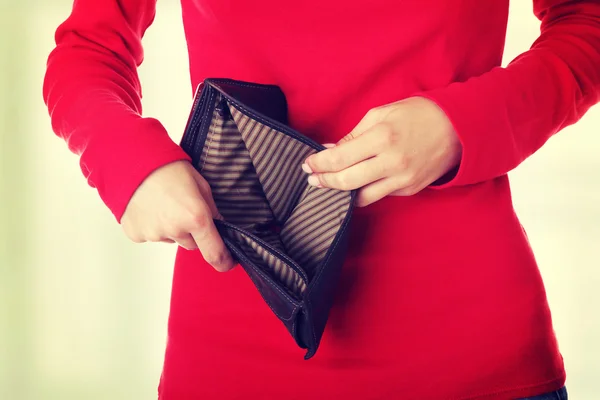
(306, 168)
(329, 145)
(314, 181)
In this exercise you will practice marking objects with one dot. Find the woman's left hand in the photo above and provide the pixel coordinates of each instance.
(398, 149)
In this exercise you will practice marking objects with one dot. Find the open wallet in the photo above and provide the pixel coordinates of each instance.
(290, 237)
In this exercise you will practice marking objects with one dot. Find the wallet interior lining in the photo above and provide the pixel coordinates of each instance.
(258, 185)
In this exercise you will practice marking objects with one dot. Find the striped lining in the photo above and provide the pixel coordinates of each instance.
(258, 185)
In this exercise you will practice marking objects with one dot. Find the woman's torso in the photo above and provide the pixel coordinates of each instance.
(441, 297)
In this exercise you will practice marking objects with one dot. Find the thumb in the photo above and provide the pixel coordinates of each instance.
(368, 121)
(206, 193)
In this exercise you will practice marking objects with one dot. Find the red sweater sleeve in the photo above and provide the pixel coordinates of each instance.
(93, 95)
(505, 115)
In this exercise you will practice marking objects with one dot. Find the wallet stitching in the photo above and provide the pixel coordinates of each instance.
(334, 245)
(262, 274)
(197, 123)
(211, 134)
(210, 101)
(199, 120)
(263, 121)
(245, 84)
(320, 275)
(188, 138)
(290, 316)
(272, 250)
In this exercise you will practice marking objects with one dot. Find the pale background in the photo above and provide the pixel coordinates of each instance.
(83, 311)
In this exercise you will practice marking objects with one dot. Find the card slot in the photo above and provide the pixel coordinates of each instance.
(269, 258)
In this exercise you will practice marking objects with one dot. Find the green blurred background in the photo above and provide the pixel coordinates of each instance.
(83, 312)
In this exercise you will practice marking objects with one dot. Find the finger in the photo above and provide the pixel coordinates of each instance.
(371, 118)
(206, 193)
(386, 187)
(346, 154)
(167, 241)
(356, 176)
(375, 192)
(408, 190)
(186, 241)
(211, 245)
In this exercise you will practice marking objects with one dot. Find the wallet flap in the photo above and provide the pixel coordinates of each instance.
(267, 100)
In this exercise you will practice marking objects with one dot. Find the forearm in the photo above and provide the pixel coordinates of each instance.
(93, 95)
(505, 115)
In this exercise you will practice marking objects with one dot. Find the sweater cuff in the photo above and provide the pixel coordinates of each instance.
(465, 108)
(124, 165)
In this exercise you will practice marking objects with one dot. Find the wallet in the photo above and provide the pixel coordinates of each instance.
(289, 237)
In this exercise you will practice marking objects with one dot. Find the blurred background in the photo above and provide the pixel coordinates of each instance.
(83, 312)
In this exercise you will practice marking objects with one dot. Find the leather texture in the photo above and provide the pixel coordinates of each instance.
(289, 237)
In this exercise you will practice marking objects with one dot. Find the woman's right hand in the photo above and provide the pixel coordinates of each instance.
(175, 204)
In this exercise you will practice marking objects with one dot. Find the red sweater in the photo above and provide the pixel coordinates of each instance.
(441, 297)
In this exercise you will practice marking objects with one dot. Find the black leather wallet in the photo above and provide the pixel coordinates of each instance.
(290, 237)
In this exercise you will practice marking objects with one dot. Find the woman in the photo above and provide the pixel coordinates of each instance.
(440, 297)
